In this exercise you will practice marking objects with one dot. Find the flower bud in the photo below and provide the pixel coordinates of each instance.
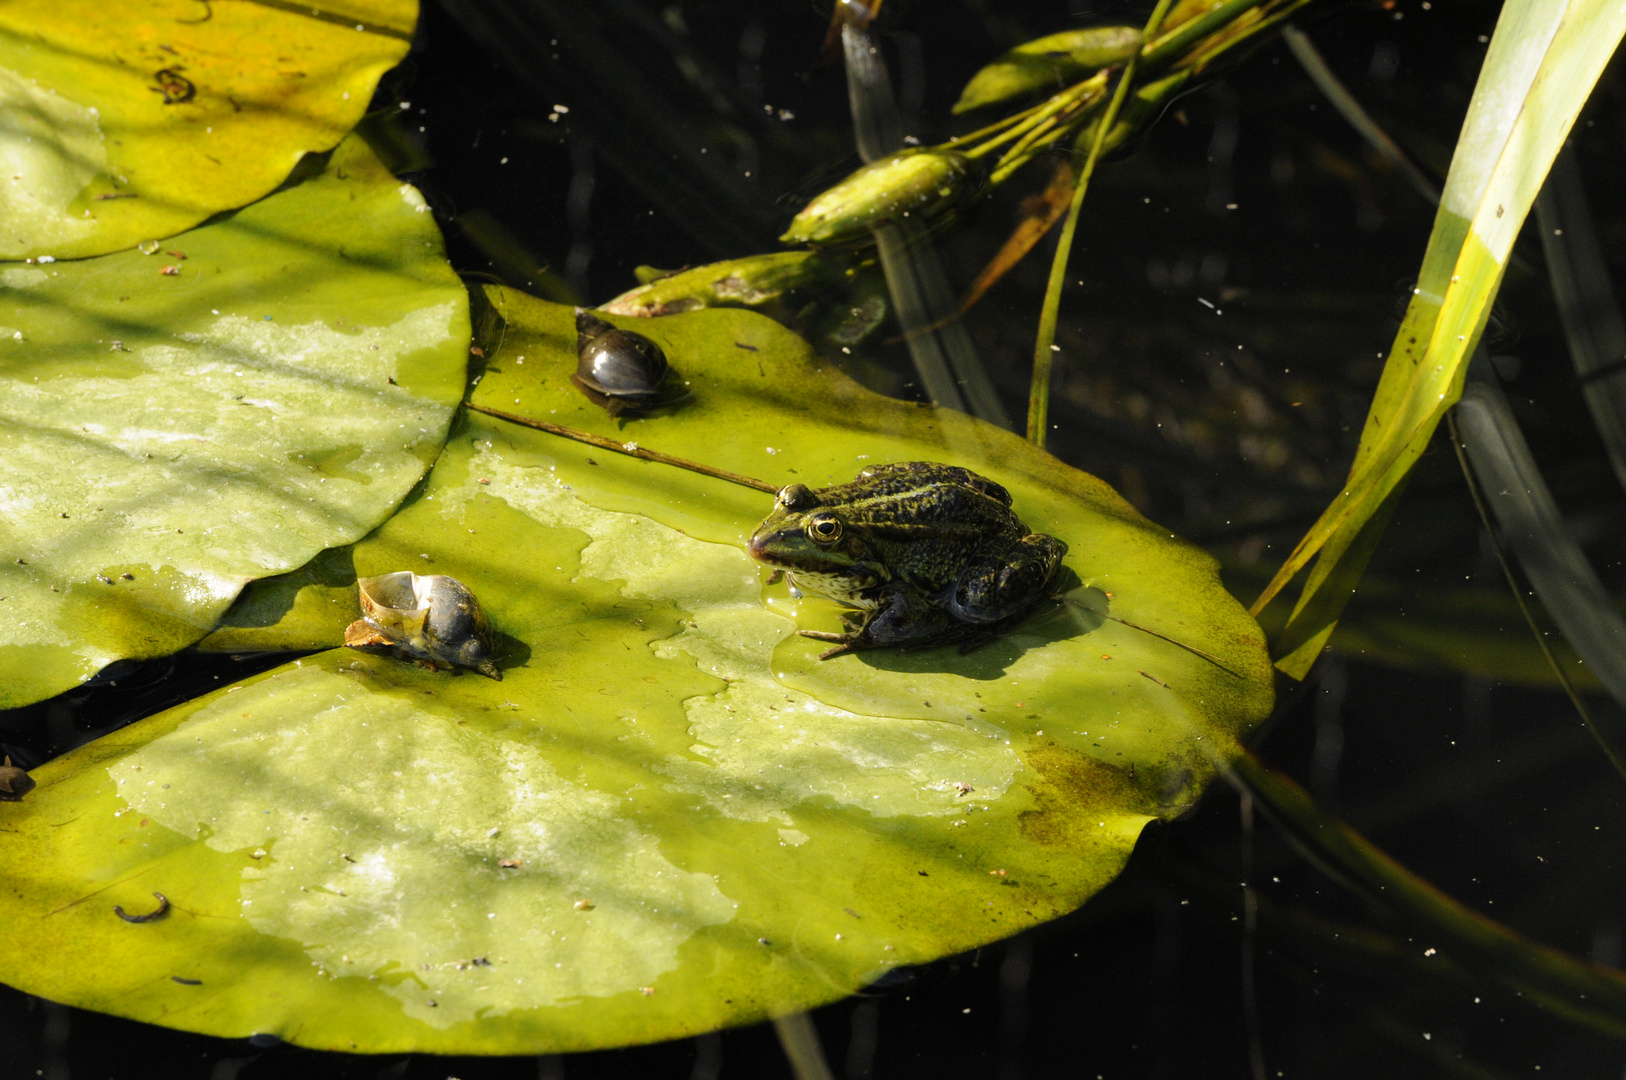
(1048, 64)
(914, 183)
(752, 281)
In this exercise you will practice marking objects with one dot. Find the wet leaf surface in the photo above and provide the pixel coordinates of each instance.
(668, 816)
(129, 121)
(169, 437)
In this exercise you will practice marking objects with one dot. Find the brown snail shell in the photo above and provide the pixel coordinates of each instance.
(14, 782)
(617, 369)
(431, 617)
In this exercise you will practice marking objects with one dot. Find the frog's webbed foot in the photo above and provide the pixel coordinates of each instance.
(845, 643)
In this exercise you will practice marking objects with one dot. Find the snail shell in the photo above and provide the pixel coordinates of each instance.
(616, 369)
(14, 782)
(430, 617)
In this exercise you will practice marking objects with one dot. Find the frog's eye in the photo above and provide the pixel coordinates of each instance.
(824, 530)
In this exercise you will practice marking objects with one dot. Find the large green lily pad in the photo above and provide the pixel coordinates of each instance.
(131, 120)
(168, 437)
(702, 823)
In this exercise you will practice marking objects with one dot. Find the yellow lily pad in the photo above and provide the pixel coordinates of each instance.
(668, 816)
(168, 437)
(132, 120)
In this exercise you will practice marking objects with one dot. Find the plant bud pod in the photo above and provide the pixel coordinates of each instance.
(1049, 64)
(915, 183)
(753, 281)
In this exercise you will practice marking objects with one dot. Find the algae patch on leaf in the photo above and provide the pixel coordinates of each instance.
(372, 811)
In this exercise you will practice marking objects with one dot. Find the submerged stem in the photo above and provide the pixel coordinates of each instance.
(1607, 739)
(800, 1041)
(631, 449)
(1058, 124)
(1575, 989)
(1039, 396)
(1032, 121)
(1315, 66)
(1191, 31)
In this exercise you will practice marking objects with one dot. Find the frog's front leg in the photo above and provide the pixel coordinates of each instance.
(903, 617)
(1007, 585)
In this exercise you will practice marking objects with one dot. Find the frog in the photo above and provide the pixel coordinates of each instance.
(923, 554)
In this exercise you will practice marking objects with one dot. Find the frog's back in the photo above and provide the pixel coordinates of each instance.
(926, 524)
(901, 476)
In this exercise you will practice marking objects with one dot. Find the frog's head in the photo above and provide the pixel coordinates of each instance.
(813, 542)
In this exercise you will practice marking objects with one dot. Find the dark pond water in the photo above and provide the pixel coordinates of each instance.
(1238, 278)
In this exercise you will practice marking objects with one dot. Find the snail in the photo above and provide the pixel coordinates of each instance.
(433, 618)
(14, 782)
(617, 369)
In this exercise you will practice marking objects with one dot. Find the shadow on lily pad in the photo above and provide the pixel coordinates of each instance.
(1074, 612)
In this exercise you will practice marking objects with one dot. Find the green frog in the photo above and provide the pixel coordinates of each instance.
(927, 554)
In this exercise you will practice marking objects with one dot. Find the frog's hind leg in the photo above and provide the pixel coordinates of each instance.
(908, 619)
(1002, 588)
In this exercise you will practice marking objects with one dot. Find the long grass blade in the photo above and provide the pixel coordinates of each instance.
(1517, 589)
(877, 126)
(1558, 571)
(1044, 347)
(1541, 66)
(1593, 325)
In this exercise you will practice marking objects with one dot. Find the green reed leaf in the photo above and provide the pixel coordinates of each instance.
(1541, 66)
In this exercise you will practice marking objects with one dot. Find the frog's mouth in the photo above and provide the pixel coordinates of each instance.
(757, 548)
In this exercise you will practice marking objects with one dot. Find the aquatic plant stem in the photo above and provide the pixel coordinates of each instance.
(1188, 33)
(1052, 120)
(631, 449)
(1020, 125)
(1514, 586)
(1039, 395)
(951, 372)
(1315, 66)
(1580, 991)
(1059, 124)
(800, 1041)
(1504, 478)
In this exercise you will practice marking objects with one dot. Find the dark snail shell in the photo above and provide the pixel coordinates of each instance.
(617, 369)
(431, 617)
(14, 782)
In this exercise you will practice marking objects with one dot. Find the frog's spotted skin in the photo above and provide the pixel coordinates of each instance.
(927, 553)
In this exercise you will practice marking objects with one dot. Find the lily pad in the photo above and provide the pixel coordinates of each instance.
(168, 437)
(131, 120)
(668, 816)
